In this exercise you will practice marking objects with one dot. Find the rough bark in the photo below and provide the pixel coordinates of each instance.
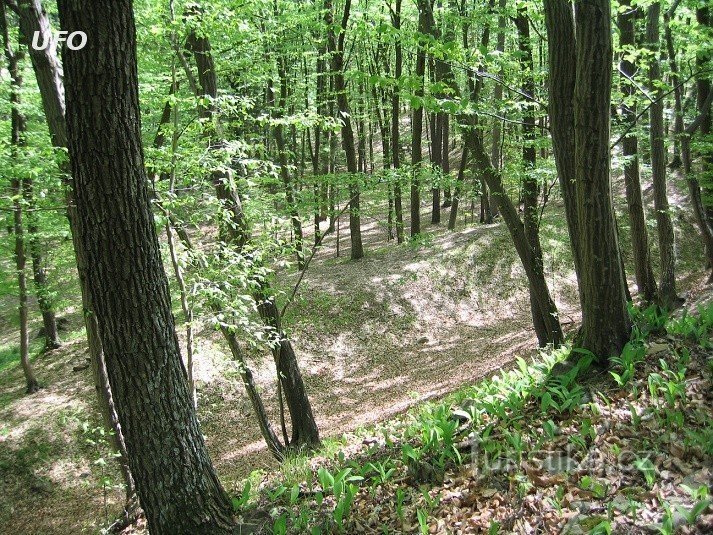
(664, 225)
(179, 492)
(559, 21)
(645, 279)
(605, 320)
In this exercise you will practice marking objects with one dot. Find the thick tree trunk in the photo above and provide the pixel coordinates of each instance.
(664, 225)
(605, 320)
(645, 279)
(180, 492)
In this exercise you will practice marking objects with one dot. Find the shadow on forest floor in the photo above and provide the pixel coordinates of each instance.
(373, 337)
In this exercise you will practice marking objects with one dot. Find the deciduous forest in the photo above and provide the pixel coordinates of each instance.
(356, 267)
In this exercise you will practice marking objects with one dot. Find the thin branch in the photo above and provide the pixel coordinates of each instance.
(633, 82)
(311, 256)
(705, 110)
(646, 109)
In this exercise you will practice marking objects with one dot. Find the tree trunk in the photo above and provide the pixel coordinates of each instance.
(18, 130)
(303, 423)
(495, 153)
(417, 125)
(48, 74)
(664, 226)
(530, 186)
(684, 138)
(49, 319)
(446, 159)
(335, 45)
(455, 202)
(396, 121)
(605, 320)
(559, 20)
(645, 279)
(284, 169)
(548, 329)
(180, 492)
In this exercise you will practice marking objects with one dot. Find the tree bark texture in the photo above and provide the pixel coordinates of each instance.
(177, 485)
(664, 225)
(48, 73)
(645, 279)
(605, 320)
(559, 21)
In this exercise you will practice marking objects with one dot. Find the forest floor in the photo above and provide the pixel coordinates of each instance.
(374, 337)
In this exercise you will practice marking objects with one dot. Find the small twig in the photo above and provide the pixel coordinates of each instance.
(636, 85)
(311, 256)
(646, 109)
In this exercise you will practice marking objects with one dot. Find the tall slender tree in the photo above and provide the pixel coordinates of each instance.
(664, 225)
(645, 279)
(18, 132)
(335, 46)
